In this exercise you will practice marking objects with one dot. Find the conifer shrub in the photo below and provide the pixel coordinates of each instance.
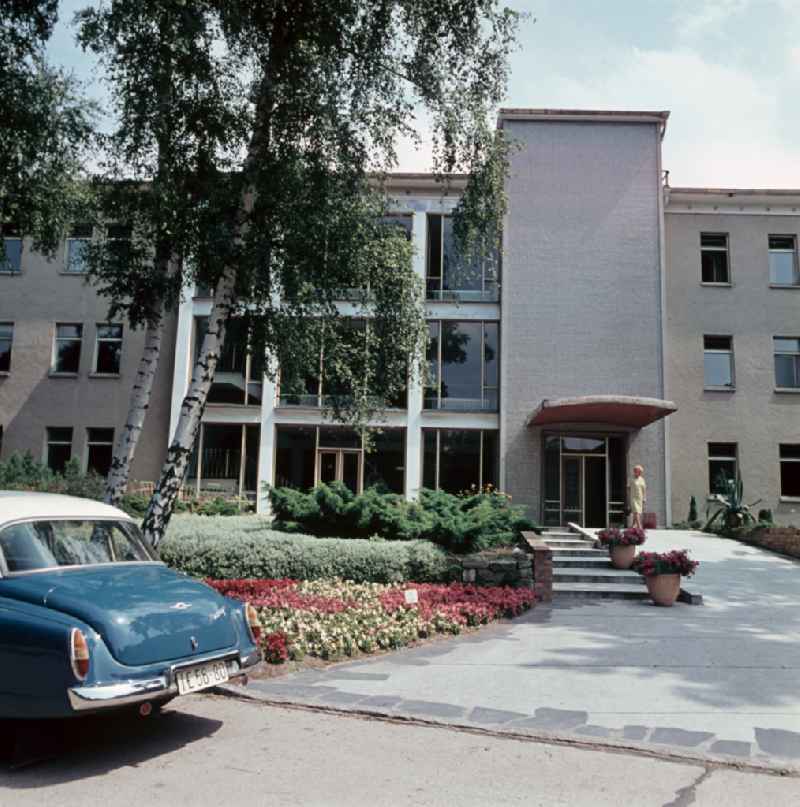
(461, 524)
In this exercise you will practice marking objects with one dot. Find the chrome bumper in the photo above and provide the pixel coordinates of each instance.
(162, 687)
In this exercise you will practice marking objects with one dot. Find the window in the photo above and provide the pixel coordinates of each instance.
(722, 466)
(108, 350)
(718, 362)
(6, 342)
(462, 366)
(456, 460)
(783, 269)
(77, 245)
(790, 470)
(451, 277)
(59, 447)
(67, 351)
(787, 362)
(11, 258)
(239, 376)
(225, 460)
(100, 448)
(714, 257)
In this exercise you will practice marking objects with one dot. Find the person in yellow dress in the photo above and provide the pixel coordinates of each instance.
(638, 495)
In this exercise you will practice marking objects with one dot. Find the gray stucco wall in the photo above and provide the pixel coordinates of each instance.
(754, 416)
(31, 400)
(581, 285)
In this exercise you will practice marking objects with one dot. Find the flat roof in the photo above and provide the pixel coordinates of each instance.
(596, 115)
(736, 191)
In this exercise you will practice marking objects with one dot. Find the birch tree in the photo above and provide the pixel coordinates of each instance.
(332, 86)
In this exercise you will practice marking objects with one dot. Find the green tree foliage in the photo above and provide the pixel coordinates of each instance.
(46, 129)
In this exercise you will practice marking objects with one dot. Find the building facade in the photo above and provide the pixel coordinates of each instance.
(627, 323)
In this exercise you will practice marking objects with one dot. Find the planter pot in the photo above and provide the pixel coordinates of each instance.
(622, 556)
(664, 588)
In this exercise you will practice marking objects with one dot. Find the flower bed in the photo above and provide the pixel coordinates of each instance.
(332, 619)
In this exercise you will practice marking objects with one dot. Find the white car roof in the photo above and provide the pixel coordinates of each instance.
(22, 504)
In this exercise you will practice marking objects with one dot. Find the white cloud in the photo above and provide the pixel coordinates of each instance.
(697, 18)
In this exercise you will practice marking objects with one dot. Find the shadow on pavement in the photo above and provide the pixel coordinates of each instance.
(59, 751)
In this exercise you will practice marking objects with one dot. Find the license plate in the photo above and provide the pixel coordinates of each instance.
(193, 679)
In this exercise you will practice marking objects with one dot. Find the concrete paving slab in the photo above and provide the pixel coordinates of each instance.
(720, 678)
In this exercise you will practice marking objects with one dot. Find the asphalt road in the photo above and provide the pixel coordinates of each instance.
(207, 750)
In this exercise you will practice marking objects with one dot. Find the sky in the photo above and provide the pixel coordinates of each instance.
(727, 70)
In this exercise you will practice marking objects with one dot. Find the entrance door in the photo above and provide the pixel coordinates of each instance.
(572, 489)
(594, 491)
(340, 465)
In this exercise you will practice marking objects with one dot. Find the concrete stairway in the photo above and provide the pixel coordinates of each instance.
(581, 571)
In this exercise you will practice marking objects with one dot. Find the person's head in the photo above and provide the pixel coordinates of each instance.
(638, 470)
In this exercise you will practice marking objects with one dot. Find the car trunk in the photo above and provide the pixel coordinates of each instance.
(144, 612)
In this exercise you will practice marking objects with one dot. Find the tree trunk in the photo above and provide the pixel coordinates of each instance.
(127, 441)
(159, 510)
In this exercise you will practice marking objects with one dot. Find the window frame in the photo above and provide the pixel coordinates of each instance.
(782, 496)
(775, 250)
(107, 339)
(10, 340)
(8, 232)
(796, 354)
(437, 430)
(74, 239)
(54, 371)
(721, 458)
(48, 442)
(726, 249)
(455, 295)
(486, 389)
(717, 351)
(90, 443)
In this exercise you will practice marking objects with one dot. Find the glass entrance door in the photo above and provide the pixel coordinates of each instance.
(340, 465)
(572, 489)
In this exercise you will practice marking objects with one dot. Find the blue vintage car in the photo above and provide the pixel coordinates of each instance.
(91, 620)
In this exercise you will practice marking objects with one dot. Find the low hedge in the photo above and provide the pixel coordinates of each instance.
(461, 524)
(245, 547)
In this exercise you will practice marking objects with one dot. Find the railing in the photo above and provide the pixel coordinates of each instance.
(461, 404)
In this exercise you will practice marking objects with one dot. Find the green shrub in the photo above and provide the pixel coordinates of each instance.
(245, 547)
(23, 472)
(462, 524)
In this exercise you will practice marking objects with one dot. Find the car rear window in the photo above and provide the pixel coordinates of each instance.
(36, 545)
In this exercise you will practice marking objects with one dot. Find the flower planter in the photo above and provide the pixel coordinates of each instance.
(622, 556)
(664, 588)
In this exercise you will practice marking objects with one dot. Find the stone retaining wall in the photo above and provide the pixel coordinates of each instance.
(498, 569)
(780, 539)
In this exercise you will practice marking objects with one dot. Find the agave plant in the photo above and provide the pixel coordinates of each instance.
(731, 511)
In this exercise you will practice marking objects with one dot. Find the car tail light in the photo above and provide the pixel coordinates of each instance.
(79, 654)
(252, 622)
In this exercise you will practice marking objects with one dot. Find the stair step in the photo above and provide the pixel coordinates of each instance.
(611, 577)
(591, 591)
(578, 552)
(567, 542)
(599, 561)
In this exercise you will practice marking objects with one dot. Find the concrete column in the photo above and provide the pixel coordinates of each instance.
(415, 386)
(266, 449)
(183, 356)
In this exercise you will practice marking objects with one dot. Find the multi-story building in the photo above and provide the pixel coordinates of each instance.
(629, 323)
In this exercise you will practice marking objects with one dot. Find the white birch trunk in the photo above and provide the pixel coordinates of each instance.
(125, 448)
(179, 454)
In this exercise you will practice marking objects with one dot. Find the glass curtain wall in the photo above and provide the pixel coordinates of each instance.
(225, 460)
(459, 460)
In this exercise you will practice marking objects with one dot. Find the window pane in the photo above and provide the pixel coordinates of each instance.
(715, 267)
(459, 460)
(296, 450)
(552, 469)
(59, 434)
(790, 479)
(432, 358)
(108, 357)
(6, 340)
(781, 242)
(221, 457)
(714, 240)
(404, 223)
(429, 459)
(491, 354)
(12, 260)
(461, 365)
(787, 371)
(490, 459)
(717, 342)
(617, 471)
(458, 273)
(252, 444)
(68, 356)
(384, 466)
(584, 445)
(59, 448)
(719, 473)
(338, 437)
(434, 269)
(77, 254)
(109, 331)
(717, 370)
(100, 435)
(722, 450)
(99, 459)
(69, 331)
(783, 268)
(790, 451)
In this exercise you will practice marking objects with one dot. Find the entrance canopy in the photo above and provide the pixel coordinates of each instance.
(626, 411)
